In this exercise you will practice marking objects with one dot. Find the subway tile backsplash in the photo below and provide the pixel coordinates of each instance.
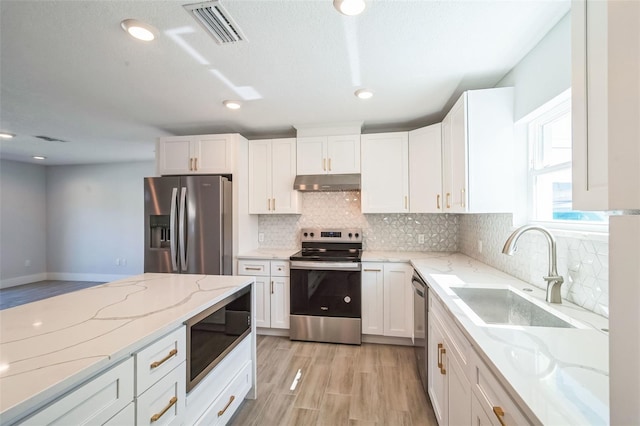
(583, 259)
(393, 232)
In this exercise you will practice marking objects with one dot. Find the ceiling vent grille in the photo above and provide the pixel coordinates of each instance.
(50, 139)
(216, 21)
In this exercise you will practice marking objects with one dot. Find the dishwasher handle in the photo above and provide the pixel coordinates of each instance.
(419, 286)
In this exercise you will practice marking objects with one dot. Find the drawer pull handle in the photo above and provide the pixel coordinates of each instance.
(253, 268)
(499, 412)
(157, 416)
(156, 364)
(221, 412)
(373, 270)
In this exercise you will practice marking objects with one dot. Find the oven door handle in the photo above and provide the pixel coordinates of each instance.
(326, 266)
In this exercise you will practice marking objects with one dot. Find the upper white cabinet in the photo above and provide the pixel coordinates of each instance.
(605, 91)
(317, 155)
(272, 170)
(200, 154)
(385, 173)
(425, 169)
(477, 159)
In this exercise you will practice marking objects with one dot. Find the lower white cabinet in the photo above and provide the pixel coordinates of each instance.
(164, 402)
(272, 291)
(387, 299)
(94, 402)
(462, 389)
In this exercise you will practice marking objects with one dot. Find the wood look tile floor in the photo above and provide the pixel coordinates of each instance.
(26, 293)
(340, 385)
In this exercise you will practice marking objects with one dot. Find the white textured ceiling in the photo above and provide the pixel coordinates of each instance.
(68, 71)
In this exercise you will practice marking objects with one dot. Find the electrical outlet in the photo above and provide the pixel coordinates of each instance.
(261, 237)
(420, 238)
(123, 262)
(117, 261)
(479, 246)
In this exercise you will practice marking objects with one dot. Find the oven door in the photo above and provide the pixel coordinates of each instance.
(327, 289)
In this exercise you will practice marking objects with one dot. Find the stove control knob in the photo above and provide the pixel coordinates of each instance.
(305, 234)
(311, 235)
(350, 235)
(357, 235)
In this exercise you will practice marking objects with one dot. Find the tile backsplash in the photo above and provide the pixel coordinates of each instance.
(393, 232)
(583, 258)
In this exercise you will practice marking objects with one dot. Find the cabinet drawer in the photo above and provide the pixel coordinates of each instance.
(459, 345)
(254, 267)
(209, 389)
(125, 417)
(493, 397)
(95, 402)
(229, 400)
(159, 358)
(164, 402)
(279, 268)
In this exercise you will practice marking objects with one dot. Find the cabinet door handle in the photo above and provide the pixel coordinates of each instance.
(271, 287)
(269, 204)
(499, 412)
(195, 162)
(443, 370)
(190, 164)
(463, 201)
(406, 202)
(329, 164)
(221, 412)
(438, 201)
(324, 164)
(157, 416)
(157, 364)
(448, 200)
(274, 204)
(372, 270)
(440, 346)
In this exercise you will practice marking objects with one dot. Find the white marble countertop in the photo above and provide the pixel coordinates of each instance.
(398, 256)
(559, 376)
(268, 254)
(48, 346)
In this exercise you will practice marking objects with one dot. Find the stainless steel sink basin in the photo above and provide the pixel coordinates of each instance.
(503, 306)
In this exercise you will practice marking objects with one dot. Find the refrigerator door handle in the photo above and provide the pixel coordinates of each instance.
(172, 229)
(183, 212)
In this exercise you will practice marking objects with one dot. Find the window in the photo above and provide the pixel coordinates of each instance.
(549, 135)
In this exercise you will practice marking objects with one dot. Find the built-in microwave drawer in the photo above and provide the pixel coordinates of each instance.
(254, 267)
(159, 358)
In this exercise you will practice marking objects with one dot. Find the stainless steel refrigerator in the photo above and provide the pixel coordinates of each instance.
(187, 225)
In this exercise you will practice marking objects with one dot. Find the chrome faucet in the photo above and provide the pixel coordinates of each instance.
(554, 281)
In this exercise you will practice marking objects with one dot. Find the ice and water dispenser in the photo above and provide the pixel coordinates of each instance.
(160, 231)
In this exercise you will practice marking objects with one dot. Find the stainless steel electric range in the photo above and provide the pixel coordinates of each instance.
(326, 288)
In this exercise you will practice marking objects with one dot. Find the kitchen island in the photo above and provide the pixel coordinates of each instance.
(50, 347)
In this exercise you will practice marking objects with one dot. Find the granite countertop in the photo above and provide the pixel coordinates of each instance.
(48, 346)
(559, 376)
(269, 254)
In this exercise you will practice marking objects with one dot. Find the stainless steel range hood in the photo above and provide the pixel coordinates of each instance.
(308, 183)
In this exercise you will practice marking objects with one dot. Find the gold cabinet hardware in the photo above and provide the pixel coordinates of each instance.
(372, 270)
(499, 412)
(440, 346)
(448, 200)
(157, 364)
(329, 164)
(269, 204)
(191, 164)
(443, 370)
(271, 287)
(438, 201)
(195, 162)
(274, 204)
(324, 164)
(406, 202)
(462, 197)
(253, 268)
(221, 412)
(157, 416)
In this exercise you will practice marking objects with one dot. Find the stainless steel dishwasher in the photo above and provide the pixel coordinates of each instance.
(420, 318)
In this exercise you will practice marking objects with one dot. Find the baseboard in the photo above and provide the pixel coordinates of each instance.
(70, 276)
(387, 340)
(25, 279)
(281, 332)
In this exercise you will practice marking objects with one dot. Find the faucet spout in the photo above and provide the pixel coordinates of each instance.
(554, 281)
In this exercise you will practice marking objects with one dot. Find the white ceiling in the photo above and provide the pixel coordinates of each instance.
(68, 71)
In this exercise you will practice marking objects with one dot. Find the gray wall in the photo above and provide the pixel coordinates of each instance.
(23, 225)
(95, 215)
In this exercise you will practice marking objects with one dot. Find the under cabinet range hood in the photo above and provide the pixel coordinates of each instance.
(308, 183)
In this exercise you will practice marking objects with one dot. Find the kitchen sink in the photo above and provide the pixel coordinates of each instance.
(506, 307)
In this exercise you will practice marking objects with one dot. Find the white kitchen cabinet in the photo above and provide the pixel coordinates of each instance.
(272, 291)
(198, 154)
(425, 169)
(437, 386)
(94, 402)
(385, 173)
(164, 402)
(387, 299)
(477, 147)
(159, 358)
(272, 170)
(605, 50)
(318, 155)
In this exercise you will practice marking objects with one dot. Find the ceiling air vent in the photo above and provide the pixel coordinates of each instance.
(50, 139)
(216, 21)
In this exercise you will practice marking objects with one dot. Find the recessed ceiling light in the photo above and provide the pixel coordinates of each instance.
(4, 135)
(39, 157)
(364, 93)
(349, 7)
(232, 104)
(138, 29)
